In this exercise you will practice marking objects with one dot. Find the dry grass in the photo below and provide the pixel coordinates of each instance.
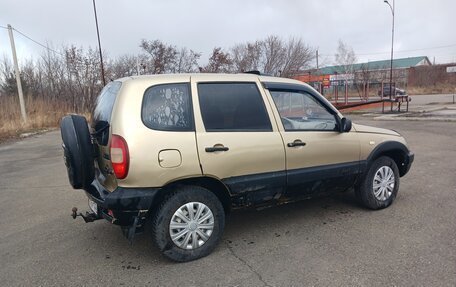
(432, 89)
(42, 115)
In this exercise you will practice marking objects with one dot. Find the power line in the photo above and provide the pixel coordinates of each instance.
(398, 51)
(411, 50)
(38, 43)
(42, 45)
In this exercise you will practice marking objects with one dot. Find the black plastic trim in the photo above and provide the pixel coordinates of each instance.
(323, 172)
(254, 182)
(256, 189)
(390, 146)
(122, 199)
(408, 163)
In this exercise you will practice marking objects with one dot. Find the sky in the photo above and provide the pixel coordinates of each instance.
(422, 28)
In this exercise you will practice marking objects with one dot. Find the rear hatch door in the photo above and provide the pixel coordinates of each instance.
(101, 121)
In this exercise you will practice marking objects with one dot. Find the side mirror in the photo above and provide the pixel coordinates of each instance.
(345, 125)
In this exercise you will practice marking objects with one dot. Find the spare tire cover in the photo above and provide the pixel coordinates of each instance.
(78, 151)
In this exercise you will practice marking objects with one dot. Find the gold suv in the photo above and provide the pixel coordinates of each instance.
(181, 151)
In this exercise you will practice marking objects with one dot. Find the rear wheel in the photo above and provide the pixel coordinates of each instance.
(380, 185)
(188, 224)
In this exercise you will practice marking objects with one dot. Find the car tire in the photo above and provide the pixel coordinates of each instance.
(380, 185)
(78, 151)
(169, 214)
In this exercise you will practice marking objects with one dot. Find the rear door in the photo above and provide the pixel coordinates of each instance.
(319, 157)
(238, 139)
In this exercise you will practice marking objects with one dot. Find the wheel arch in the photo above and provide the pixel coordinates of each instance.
(212, 184)
(394, 150)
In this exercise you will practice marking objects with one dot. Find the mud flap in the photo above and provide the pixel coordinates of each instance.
(137, 226)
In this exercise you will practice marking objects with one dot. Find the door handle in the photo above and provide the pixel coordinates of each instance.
(296, 143)
(216, 148)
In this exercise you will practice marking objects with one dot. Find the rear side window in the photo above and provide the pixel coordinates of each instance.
(168, 107)
(232, 107)
(105, 102)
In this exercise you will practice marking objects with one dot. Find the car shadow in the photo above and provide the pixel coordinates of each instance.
(240, 222)
(242, 227)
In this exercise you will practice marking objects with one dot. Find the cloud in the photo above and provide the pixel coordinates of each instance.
(203, 24)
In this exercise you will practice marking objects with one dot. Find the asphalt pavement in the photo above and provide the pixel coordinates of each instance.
(329, 241)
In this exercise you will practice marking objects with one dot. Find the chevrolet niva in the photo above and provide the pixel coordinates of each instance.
(180, 151)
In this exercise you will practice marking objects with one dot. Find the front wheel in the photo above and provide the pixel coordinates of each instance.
(379, 187)
(188, 224)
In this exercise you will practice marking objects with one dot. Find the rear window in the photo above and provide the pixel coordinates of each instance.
(105, 102)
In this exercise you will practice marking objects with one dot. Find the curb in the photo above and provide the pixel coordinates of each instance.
(435, 119)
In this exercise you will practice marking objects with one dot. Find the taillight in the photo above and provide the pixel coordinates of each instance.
(120, 158)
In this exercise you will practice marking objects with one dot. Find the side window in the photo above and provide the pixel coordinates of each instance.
(168, 107)
(301, 111)
(232, 107)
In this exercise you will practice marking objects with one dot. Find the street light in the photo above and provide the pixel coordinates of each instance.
(392, 47)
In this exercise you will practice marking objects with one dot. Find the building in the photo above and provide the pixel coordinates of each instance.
(362, 73)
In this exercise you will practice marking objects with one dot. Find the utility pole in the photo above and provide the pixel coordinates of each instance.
(317, 57)
(99, 44)
(18, 75)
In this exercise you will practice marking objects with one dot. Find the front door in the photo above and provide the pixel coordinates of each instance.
(238, 141)
(319, 157)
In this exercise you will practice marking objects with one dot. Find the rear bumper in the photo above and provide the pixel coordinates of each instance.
(123, 204)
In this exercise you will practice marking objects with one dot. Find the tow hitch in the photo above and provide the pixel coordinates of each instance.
(88, 216)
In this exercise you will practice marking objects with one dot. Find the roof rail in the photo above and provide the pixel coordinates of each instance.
(255, 72)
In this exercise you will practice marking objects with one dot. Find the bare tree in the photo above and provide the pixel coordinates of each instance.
(162, 57)
(298, 56)
(71, 78)
(8, 84)
(247, 57)
(187, 61)
(363, 75)
(84, 74)
(123, 66)
(345, 58)
(219, 62)
(273, 55)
